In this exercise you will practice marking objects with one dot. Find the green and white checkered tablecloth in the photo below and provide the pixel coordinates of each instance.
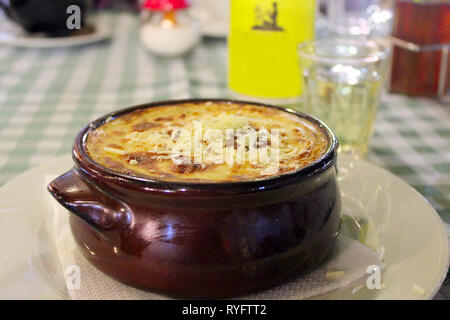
(47, 95)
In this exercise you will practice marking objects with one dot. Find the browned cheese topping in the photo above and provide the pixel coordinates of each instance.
(206, 142)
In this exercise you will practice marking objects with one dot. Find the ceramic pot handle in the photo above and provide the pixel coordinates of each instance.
(80, 197)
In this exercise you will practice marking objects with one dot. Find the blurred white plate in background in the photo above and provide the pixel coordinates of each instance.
(12, 35)
(214, 17)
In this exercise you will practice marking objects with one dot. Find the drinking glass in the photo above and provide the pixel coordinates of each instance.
(342, 81)
(371, 18)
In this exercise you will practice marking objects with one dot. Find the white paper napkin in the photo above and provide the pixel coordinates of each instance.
(346, 266)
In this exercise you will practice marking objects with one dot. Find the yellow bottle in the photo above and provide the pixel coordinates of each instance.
(264, 35)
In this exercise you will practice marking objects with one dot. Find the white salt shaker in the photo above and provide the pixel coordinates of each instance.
(168, 30)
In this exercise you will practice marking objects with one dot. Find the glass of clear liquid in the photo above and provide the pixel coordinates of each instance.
(369, 18)
(342, 81)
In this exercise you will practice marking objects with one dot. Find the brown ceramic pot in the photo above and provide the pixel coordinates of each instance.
(201, 240)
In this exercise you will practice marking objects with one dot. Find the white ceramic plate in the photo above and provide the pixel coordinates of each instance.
(213, 16)
(214, 29)
(396, 217)
(15, 37)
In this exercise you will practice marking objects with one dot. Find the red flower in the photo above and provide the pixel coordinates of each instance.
(166, 5)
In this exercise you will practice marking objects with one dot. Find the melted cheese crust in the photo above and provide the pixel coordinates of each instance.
(152, 143)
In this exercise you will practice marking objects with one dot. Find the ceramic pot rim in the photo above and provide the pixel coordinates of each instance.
(91, 168)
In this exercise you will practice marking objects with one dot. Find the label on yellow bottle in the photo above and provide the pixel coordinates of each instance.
(263, 41)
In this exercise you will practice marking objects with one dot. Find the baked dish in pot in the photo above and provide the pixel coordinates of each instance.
(203, 198)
